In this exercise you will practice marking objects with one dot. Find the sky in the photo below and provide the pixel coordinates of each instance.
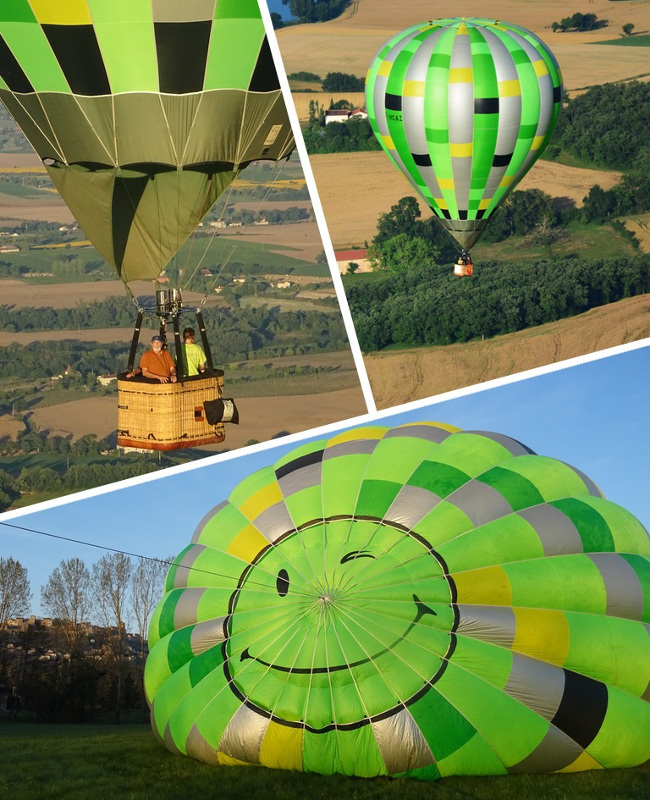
(277, 5)
(593, 416)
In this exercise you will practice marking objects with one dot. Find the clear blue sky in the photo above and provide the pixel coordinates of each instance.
(277, 5)
(593, 416)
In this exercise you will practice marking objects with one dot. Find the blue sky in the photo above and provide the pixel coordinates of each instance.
(593, 416)
(276, 5)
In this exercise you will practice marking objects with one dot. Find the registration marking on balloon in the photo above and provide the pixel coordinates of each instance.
(340, 601)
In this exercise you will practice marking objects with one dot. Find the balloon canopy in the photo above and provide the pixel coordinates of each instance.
(464, 107)
(143, 112)
(416, 601)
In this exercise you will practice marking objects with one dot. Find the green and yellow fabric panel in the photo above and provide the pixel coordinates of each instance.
(464, 107)
(414, 601)
(143, 111)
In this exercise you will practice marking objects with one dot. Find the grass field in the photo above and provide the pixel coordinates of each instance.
(630, 41)
(126, 763)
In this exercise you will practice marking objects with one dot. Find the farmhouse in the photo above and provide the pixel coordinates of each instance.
(346, 257)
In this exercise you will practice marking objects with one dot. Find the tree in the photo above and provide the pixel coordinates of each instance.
(403, 217)
(402, 252)
(8, 491)
(112, 578)
(15, 593)
(628, 28)
(67, 598)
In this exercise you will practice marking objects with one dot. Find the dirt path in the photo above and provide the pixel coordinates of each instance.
(400, 376)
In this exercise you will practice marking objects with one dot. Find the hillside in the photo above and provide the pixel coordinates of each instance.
(400, 376)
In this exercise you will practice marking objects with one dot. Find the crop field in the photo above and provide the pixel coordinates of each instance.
(125, 762)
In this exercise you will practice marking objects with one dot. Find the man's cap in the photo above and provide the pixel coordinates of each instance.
(156, 338)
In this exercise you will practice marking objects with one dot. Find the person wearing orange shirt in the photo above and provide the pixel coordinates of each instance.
(157, 364)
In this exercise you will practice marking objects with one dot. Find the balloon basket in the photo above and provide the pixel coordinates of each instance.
(463, 270)
(167, 416)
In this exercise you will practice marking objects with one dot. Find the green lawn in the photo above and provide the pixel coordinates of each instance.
(642, 40)
(50, 762)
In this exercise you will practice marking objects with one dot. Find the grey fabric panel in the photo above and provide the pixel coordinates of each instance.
(169, 742)
(198, 748)
(426, 432)
(206, 635)
(300, 479)
(461, 120)
(358, 447)
(624, 592)
(274, 521)
(401, 743)
(206, 519)
(411, 505)
(558, 535)
(554, 752)
(494, 624)
(511, 445)
(187, 11)
(537, 684)
(480, 502)
(509, 107)
(152, 721)
(266, 131)
(243, 736)
(466, 232)
(185, 564)
(593, 490)
(186, 610)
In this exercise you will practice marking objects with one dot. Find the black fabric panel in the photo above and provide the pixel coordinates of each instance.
(182, 49)
(445, 213)
(486, 105)
(582, 708)
(462, 214)
(393, 102)
(79, 56)
(557, 94)
(265, 78)
(299, 463)
(480, 214)
(11, 71)
(502, 161)
(423, 160)
(126, 196)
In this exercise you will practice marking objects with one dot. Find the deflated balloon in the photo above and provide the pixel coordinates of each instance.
(143, 112)
(416, 601)
(464, 107)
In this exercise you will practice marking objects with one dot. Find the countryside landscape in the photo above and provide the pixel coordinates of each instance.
(358, 188)
(66, 324)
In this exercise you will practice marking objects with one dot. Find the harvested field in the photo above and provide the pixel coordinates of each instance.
(262, 418)
(400, 376)
(372, 185)
(349, 43)
(640, 227)
(49, 208)
(103, 335)
(299, 240)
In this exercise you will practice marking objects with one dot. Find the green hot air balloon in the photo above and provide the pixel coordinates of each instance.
(414, 601)
(143, 112)
(464, 107)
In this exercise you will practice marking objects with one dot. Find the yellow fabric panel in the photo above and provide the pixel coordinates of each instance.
(247, 544)
(542, 634)
(461, 75)
(461, 150)
(262, 499)
(61, 12)
(509, 88)
(440, 202)
(583, 761)
(462, 29)
(446, 183)
(489, 585)
(484, 204)
(229, 761)
(282, 747)
(413, 89)
(537, 143)
(385, 68)
(540, 68)
(506, 181)
(388, 143)
(357, 434)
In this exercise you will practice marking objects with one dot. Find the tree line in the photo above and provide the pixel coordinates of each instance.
(315, 10)
(426, 305)
(80, 662)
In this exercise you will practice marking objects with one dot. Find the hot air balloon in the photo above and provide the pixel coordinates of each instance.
(143, 112)
(464, 107)
(414, 601)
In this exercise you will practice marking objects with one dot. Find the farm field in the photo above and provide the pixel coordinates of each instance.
(400, 376)
(352, 212)
(125, 762)
(349, 43)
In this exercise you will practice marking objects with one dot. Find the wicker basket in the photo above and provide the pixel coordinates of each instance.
(167, 416)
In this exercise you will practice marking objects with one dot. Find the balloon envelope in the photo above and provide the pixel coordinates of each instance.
(143, 112)
(464, 107)
(417, 601)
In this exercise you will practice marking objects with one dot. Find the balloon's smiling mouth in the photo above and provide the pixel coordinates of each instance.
(421, 610)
